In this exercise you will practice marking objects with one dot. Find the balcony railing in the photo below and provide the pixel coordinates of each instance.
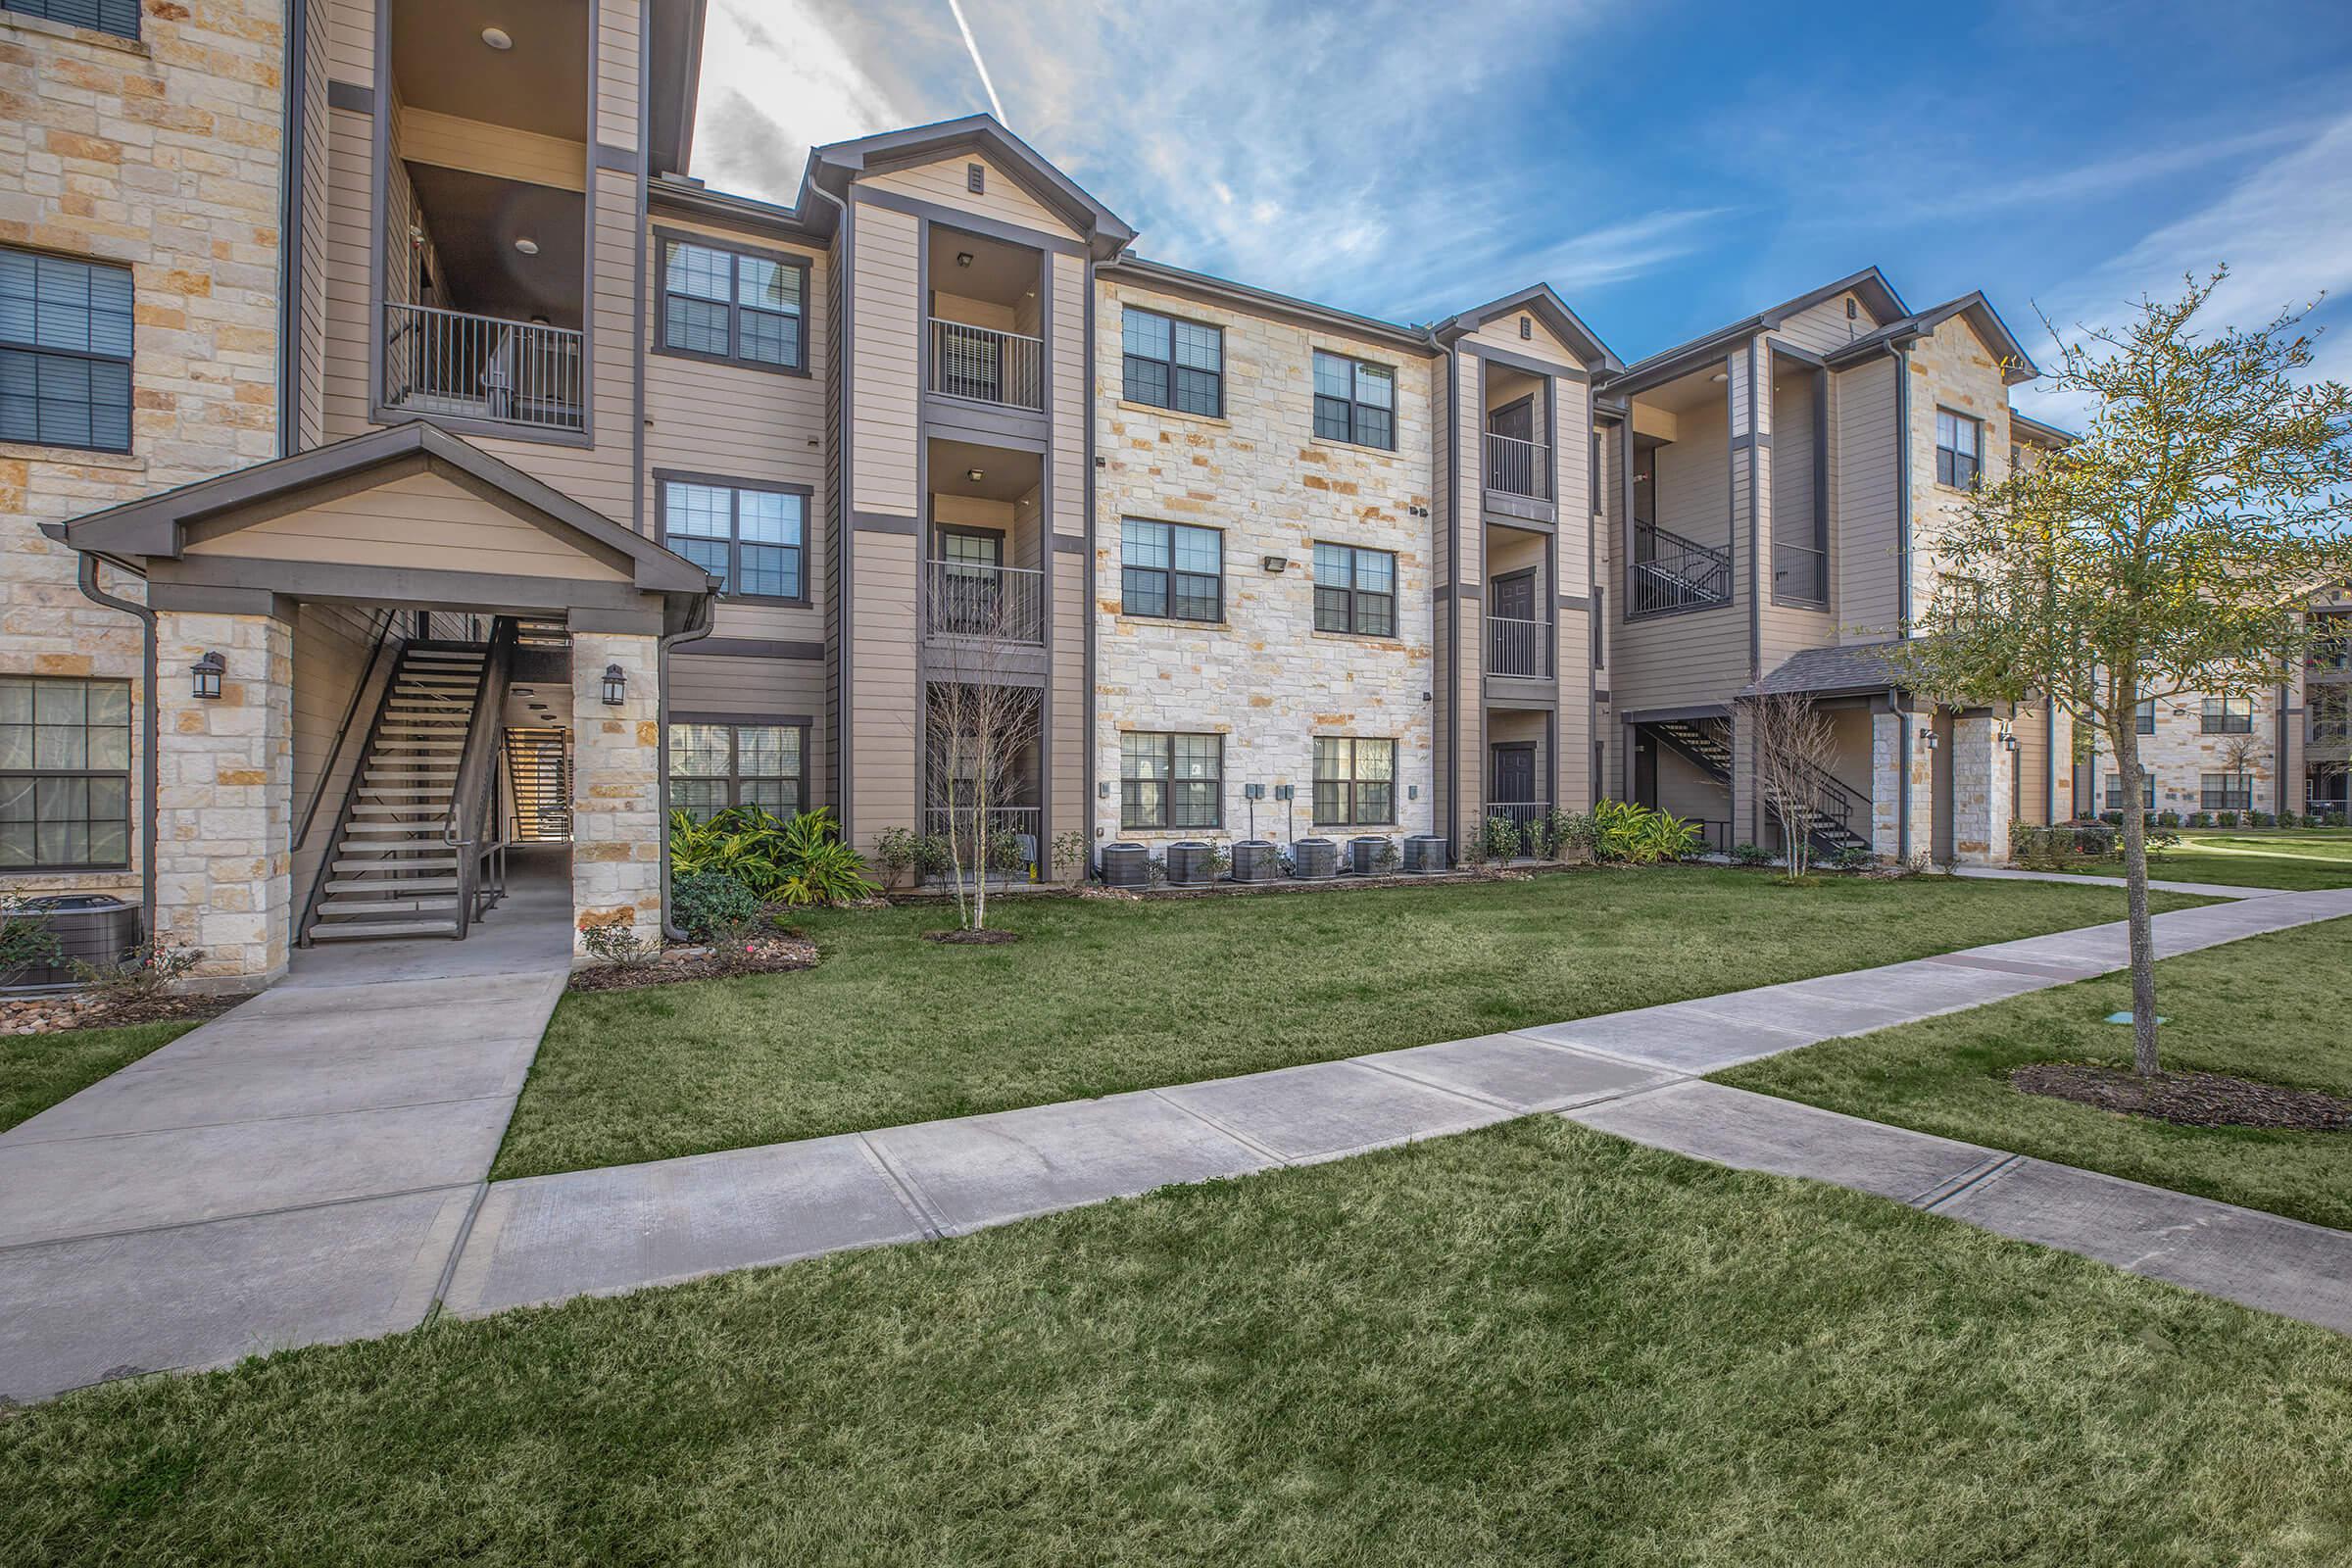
(1005, 602)
(1519, 648)
(1003, 837)
(1677, 573)
(1518, 467)
(482, 367)
(988, 365)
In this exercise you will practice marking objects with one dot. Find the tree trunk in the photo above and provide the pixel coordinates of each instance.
(2125, 735)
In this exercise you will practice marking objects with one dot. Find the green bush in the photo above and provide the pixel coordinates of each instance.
(2226, 818)
(1853, 858)
(1640, 835)
(147, 970)
(713, 907)
(1750, 854)
(894, 854)
(2069, 845)
(619, 945)
(2200, 819)
(25, 940)
(1498, 839)
(2168, 818)
(1570, 833)
(796, 862)
(2260, 819)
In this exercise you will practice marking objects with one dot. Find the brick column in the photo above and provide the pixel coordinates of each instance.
(225, 795)
(1981, 803)
(616, 821)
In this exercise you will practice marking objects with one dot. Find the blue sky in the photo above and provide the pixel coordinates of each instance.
(1667, 167)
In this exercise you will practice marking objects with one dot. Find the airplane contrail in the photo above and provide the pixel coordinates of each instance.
(972, 47)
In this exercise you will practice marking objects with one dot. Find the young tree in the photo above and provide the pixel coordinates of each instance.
(2165, 551)
(1796, 744)
(980, 721)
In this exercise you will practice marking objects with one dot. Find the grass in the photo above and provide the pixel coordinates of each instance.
(1531, 1344)
(2297, 859)
(37, 1071)
(2269, 1008)
(1103, 997)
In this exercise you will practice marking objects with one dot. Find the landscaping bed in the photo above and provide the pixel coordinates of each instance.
(1104, 995)
(2188, 1098)
(767, 954)
(51, 1013)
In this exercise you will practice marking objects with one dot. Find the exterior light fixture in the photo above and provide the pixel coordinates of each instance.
(2008, 741)
(975, 474)
(1928, 738)
(208, 671)
(498, 39)
(527, 245)
(1275, 564)
(963, 258)
(1720, 377)
(616, 685)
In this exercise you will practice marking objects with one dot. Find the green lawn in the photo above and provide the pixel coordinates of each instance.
(2299, 858)
(1107, 996)
(37, 1071)
(1532, 1343)
(2269, 1008)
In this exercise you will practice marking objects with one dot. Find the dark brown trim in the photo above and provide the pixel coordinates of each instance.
(619, 160)
(1524, 363)
(351, 97)
(1071, 543)
(663, 478)
(657, 338)
(884, 522)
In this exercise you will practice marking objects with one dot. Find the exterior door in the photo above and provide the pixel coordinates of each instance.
(1514, 419)
(1514, 775)
(971, 579)
(1515, 596)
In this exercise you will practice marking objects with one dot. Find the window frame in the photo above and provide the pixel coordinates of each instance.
(1355, 592)
(2221, 715)
(34, 8)
(663, 478)
(1948, 474)
(1353, 783)
(2144, 716)
(1168, 574)
(1353, 402)
(734, 724)
(131, 803)
(1131, 821)
(2226, 799)
(2111, 791)
(1170, 365)
(663, 238)
(39, 351)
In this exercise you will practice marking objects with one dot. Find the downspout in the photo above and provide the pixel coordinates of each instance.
(1450, 780)
(1902, 489)
(1902, 777)
(705, 617)
(2049, 747)
(87, 578)
(1086, 753)
(843, 540)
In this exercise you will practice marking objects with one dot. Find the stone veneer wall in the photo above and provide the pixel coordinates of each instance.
(1949, 368)
(225, 798)
(161, 153)
(1888, 758)
(2180, 752)
(1982, 791)
(616, 790)
(1265, 679)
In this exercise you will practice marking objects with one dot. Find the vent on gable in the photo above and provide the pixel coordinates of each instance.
(1851, 309)
(1527, 330)
(975, 177)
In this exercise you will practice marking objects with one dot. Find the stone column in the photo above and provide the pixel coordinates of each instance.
(1981, 790)
(616, 821)
(225, 795)
(1895, 748)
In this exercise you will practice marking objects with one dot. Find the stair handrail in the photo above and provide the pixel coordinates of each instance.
(474, 760)
(351, 709)
(351, 800)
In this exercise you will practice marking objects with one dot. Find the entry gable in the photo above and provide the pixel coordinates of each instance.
(932, 164)
(1554, 331)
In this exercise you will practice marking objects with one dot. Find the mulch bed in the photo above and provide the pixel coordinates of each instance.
(53, 1012)
(972, 938)
(2190, 1099)
(777, 954)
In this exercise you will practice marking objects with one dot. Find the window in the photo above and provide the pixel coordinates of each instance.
(750, 540)
(1356, 780)
(2226, 791)
(1354, 402)
(712, 766)
(65, 352)
(2229, 715)
(1174, 365)
(1958, 440)
(1171, 570)
(1356, 590)
(1171, 781)
(2144, 717)
(2115, 791)
(738, 306)
(118, 17)
(64, 774)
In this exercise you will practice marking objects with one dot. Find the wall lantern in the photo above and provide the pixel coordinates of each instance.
(1926, 738)
(616, 685)
(1275, 564)
(208, 671)
(2008, 741)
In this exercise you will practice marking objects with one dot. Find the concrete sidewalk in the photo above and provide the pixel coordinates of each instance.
(549, 1238)
(2202, 890)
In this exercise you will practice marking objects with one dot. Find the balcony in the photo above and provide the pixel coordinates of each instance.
(516, 373)
(1676, 574)
(987, 366)
(1518, 467)
(1519, 648)
(998, 603)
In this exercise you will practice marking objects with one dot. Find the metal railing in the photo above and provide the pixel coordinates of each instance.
(975, 601)
(1004, 838)
(1800, 573)
(1518, 467)
(1518, 647)
(986, 364)
(1528, 816)
(1677, 573)
(482, 367)
(474, 829)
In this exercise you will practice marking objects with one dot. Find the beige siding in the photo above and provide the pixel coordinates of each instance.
(348, 223)
(448, 142)
(617, 24)
(309, 280)
(1503, 333)
(1789, 464)
(1698, 657)
(1865, 541)
(885, 722)
(1823, 327)
(757, 689)
(943, 183)
(835, 540)
(886, 301)
(421, 518)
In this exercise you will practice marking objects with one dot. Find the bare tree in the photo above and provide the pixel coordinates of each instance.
(1796, 744)
(981, 719)
(2238, 754)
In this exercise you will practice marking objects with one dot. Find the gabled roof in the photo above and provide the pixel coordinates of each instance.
(835, 164)
(2049, 435)
(156, 525)
(1838, 671)
(1869, 285)
(1540, 301)
(2016, 364)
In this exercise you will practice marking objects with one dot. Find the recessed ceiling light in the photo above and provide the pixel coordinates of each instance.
(496, 38)
(975, 474)
(1719, 377)
(527, 245)
(963, 258)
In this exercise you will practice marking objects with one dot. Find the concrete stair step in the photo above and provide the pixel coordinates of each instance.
(391, 885)
(422, 863)
(336, 907)
(364, 930)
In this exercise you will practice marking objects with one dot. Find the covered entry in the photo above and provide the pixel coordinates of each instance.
(384, 664)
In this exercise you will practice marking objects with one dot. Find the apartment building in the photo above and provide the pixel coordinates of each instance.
(403, 458)
(2286, 749)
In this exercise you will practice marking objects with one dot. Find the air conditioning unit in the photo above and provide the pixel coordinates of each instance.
(1363, 854)
(1315, 859)
(1192, 863)
(97, 928)
(1256, 860)
(1425, 855)
(1126, 865)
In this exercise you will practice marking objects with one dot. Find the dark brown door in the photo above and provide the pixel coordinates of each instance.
(1514, 780)
(1516, 420)
(1515, 596)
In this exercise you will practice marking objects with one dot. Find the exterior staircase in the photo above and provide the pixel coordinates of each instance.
(539, 776)
(1840, 822)
(392, 871)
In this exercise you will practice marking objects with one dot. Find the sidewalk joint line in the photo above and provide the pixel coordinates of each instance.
(909, 1193)
(1211, 1122)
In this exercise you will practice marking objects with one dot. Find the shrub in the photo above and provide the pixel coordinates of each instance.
(1640, 835)
(26, 939)
(2112, 819)
(893, 852)
(2226, 818)
(828, 873)
(1071, 848)
(2333, 819)
(1853, 858)
(619, 945)
(2260, 819)
(2070, 843)
(713, 907)
(147, 970)
(1498, 839)
(1387, 858)
(934, 856)
(1570, 833)
(1750, 854)
(2200, 819)
(800, 862)
(2168, 818)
